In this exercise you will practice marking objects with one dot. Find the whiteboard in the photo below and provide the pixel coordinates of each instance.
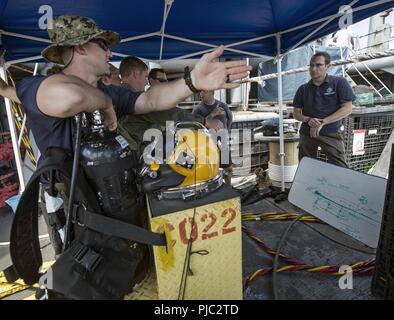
(348, 200)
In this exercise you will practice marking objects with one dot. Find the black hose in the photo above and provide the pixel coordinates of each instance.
(74, 174)
(278, 252)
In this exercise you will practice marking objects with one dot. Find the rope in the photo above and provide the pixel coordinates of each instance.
(361, 268)
(277, 216)
(18, 119)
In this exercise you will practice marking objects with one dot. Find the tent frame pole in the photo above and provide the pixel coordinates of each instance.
(226, 47)
(280, 102)
(14, 134)
(9, 63)
(23, 36)
(141, 36)
(166, 11)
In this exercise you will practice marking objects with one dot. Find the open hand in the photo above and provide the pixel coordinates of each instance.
(210, 74)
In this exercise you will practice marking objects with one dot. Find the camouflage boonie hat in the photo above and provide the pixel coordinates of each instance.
(75, 30)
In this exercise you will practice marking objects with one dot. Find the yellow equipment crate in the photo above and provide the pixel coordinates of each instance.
(215, 271)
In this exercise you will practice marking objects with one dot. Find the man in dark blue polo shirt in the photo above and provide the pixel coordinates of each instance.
(321, 104)
(210, 108)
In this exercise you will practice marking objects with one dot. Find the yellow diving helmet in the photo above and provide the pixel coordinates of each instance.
(193, 167)
(196, 156)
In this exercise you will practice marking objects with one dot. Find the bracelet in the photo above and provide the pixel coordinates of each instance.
(189, 82)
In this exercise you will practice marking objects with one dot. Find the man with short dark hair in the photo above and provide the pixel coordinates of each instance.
(134, 73)
(157, 76)
(320, 105)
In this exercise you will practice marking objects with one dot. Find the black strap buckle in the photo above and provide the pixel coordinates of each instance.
(57, 219)
(88, 258)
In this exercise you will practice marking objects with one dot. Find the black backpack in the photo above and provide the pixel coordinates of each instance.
(106, 257)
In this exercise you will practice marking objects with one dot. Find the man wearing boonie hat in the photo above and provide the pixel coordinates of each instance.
(84, 49)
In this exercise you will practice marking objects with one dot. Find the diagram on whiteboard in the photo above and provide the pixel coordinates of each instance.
(348, 200)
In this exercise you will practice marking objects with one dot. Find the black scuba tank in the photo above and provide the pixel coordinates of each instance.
(108, 163)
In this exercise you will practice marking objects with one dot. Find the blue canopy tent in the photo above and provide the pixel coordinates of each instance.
(175, 29)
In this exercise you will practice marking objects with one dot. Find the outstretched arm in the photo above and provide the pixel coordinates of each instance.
(208, 74)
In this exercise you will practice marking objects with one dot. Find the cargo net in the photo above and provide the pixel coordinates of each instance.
(377, 127)
(383, 279)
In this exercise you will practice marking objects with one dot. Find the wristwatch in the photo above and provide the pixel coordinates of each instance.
(189, 82)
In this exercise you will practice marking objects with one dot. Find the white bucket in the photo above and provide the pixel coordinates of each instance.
(274, 172)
